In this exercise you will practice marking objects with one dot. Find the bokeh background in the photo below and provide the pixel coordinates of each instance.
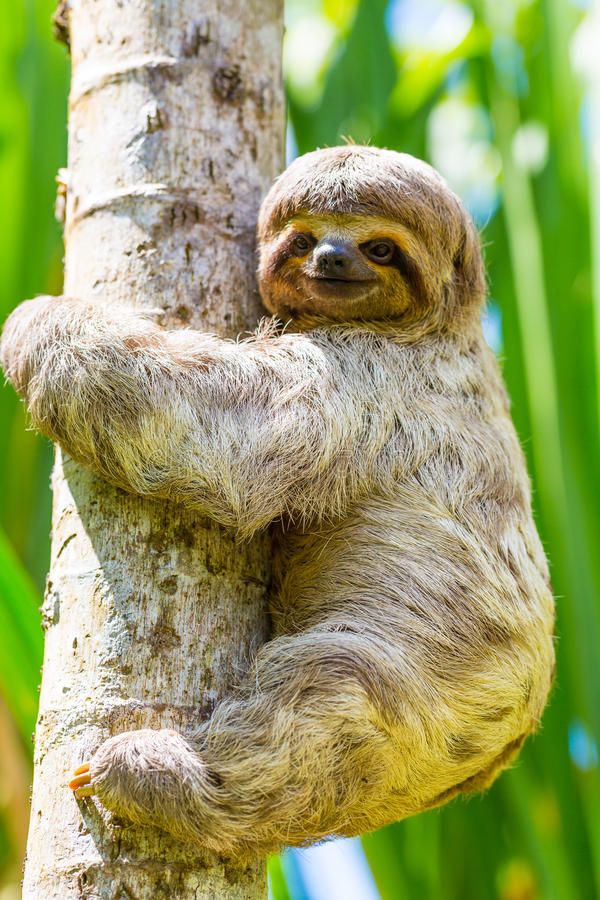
(503, 97)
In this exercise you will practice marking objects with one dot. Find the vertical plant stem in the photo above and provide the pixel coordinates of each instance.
(557, 506)
(594, 157)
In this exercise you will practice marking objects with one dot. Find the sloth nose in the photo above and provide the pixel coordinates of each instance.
(333, 260)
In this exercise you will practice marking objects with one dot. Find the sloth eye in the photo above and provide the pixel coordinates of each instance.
(302, 243)
(380, 252)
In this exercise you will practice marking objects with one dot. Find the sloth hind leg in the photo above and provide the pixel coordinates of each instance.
(301, 754)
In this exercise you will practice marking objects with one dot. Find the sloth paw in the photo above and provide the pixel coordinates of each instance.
(149, 777)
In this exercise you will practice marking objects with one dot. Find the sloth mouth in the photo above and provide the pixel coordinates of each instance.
(340, 285)
(341, 279)
(338, 290)
(328, 280)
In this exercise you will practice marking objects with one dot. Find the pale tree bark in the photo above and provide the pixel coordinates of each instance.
(151, 614)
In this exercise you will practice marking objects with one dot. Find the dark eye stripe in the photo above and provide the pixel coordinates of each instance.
(302, 244)
(286, 251)
(411, 273)
(371, 248)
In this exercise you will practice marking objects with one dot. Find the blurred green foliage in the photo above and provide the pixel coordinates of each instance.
(501, 98)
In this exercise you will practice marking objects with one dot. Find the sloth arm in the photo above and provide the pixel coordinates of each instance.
(245, 431)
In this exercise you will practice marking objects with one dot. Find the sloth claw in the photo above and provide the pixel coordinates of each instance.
(81, 784)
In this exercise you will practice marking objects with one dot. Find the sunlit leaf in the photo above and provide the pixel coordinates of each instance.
(21, 637)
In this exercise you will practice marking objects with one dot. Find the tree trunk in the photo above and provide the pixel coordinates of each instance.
(151, 613)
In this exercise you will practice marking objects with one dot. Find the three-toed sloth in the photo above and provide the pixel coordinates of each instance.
(413, 647)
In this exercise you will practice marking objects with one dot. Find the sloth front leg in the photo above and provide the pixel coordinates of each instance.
(303, 755)
(246, 432)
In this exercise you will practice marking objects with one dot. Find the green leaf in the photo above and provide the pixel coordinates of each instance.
(357, 87)
(22, 645)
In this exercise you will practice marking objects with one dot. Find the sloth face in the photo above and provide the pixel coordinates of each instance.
(341, 267)
(358, 233)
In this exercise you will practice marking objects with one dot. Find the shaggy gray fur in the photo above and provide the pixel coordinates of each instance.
(413, 615)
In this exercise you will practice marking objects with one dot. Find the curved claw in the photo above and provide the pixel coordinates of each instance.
(81, 784)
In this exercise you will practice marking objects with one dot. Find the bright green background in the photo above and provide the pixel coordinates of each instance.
(497, 96)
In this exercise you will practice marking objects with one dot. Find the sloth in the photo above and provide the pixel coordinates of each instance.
(412, 647)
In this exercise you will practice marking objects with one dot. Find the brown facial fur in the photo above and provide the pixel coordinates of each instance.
(413, 646)
(364, 193)
(393, 290)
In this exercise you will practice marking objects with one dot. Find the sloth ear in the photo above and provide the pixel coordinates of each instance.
(469, 271)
